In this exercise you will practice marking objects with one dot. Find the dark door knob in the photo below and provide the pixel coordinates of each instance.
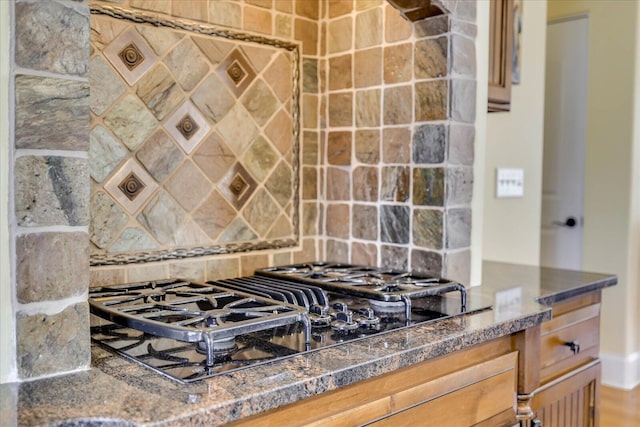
(570, 222)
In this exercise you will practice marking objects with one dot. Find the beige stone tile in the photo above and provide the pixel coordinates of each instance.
(282, 228)
(260, 212)
(309, 111)
(49, 344)
(368, 28)
(339, 148)
(308, 9)
(398, 60)
(189, 234)
(139, 55)
(267, 4)
(338, 220)
(368, 108)
(280, 131)
(191, 9)
(338, 184)
(160, 39)
(51, 266)
(250, 263)
(107, 220)
(310, 148)
(160, 155)
(162, 218)
(159, 91)
(131, 186)
(105, 29)
(260, 158)
(309, 183)
(257, 20)
(238, 231)
(131, 121)
(367, 4)
(339, 8)
(365, 222)
(280, 183)
(364, 254)
(340, 72)
(148, 271)
(134, 240)
(212, 47)
(368, 67)
(162, 6)
(238, 129)
(188, 186)
(396, 143)
(431, 100)
(222, 268)
(105, 276)
(367, 146)
(214, 215)
(397, 105)
(228, 14)
(279, 76)
(260, 102)
(187, 63)
(337, 251)
(188, 270)
(283, 5)
(428, 228)
(306, 32)
(340, 34)
(213, 99)
(341, 109)
(395, 184)
(365, 183)
(105, 86)
(284, 26)
(310, 218)
(430, 58)
(457, 267)
(105, 153)
(396, 28)
(308, 252)
(283, 258)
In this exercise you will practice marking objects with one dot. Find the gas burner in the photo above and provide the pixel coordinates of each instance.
(221, 348)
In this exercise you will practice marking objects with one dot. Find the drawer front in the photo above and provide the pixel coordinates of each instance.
(569, 340)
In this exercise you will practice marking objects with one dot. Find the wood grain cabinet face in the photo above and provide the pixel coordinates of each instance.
(500, 54)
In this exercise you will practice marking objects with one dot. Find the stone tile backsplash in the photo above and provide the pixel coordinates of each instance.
(196, 148)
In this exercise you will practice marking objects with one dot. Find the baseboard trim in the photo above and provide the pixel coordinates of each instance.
(619, 371)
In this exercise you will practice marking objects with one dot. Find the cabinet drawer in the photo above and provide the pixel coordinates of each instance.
(580, 327)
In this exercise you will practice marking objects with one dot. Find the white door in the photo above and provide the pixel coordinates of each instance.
(565, 123)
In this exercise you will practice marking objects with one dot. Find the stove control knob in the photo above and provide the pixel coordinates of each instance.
(341, 307)
(319, 309)
(319, 316)
(367, 313)
(345, 316)
(368, 318)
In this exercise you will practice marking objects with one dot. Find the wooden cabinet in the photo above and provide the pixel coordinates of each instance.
(569, 365)
(500, 54)
(473, 387)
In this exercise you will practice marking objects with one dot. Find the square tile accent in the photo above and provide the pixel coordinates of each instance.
(131, 186)
(130, 55)
(237, 186)
(236, 71)
(187, 126)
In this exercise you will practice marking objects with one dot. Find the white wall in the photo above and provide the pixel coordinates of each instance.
(7, 358)
(511, 231)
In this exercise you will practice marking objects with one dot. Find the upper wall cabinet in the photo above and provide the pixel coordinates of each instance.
(500, 52)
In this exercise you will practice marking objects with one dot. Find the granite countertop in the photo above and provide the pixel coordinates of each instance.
(117, 392)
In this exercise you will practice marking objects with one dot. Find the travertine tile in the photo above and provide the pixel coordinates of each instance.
(338, 184)
(260, 158)
(148, 271)
(433, 26)
(308, 9)
(51, 113)
(310, 148)
(160, 155)
(396, 145)
(368, 146)
(365, 222)
(280, 131)
(189, 234)
(365, 183)
(62, 48)
(428, 228)
(341, 109)
(238, 231)
(250, 263)
(260, 102)
(191, 9)
(187, 63)
(283, 5)
(340, 33)
(283, 258)
(395, 224)
(339, 7)
(159, 38)
(213, 48)
(105, 29)
(457, 266)
(310, 219)
(107, 219)
(238, 129)
(51, 191)
(368, 108)
(222, 268)
(159, 91)
(340, 72)
(228, 14)
(162, 217)
(133, 240)
(105, 85)
(188, 186)
(213, 99)
(131, 121)
(261, 211)
(257, 20)
(309, 76)
(461, 144)
(428, 186)
(463, 100)
(309, 252)
(398, 60)
(279, 77)
(105, 153)
(430, 144)
(51, 266)
(367, 65)
(188, 270)
(338, 220)
(397, 105)
(309, 111)
(282, 228)
(306, 32)
(337, 251)
(396, 27)
(50, 344)
(162, 6)
(459, 183)
(212, 224)
(105, 276)
(367, 4)
(339, 148)
(368, 28)
(309, 183)
(395, 184)
(463, 60)
(280, 183)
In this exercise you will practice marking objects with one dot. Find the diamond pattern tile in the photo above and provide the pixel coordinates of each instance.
(131, 186)
(130, 55)
(187, 126)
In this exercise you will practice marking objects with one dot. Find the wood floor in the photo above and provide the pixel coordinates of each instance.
(619, 408)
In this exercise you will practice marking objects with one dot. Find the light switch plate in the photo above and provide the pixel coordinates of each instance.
(509, 182)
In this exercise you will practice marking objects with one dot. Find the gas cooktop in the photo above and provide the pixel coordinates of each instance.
(191, 331)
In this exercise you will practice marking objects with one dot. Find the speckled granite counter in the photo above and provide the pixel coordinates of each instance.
(116, 392)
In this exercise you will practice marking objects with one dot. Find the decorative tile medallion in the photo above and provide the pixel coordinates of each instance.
(131, 186)
(199, 149)
(187, 126)
(130, 55)
(236, 71)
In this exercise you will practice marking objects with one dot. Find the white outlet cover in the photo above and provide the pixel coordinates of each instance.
(509, 182)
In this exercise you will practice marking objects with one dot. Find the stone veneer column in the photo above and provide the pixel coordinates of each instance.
(51, 186)
(400, 131)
